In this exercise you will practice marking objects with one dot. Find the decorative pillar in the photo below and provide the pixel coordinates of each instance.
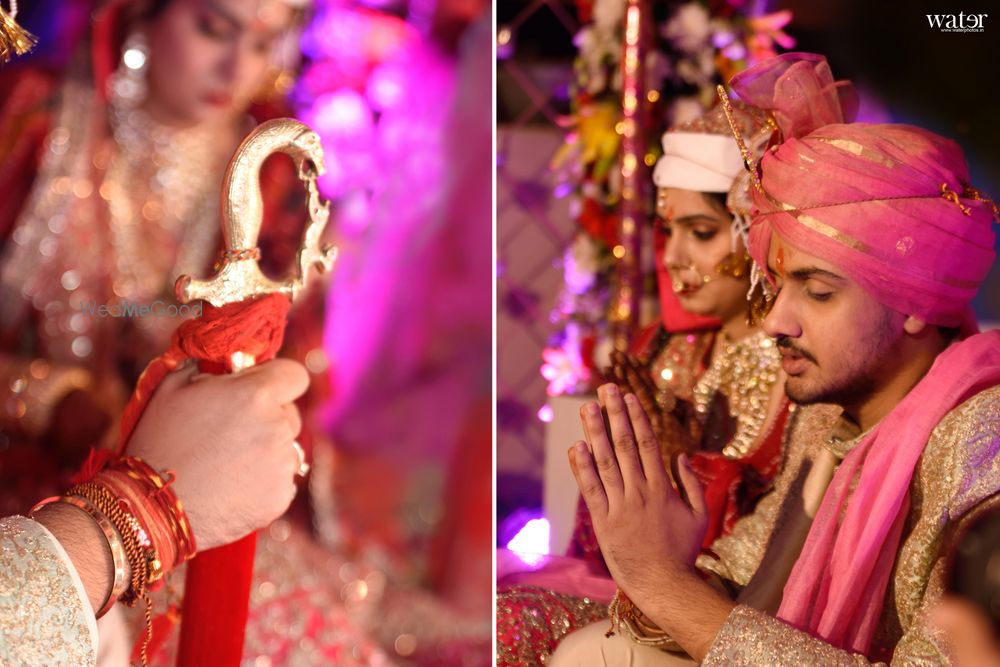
(625, 305)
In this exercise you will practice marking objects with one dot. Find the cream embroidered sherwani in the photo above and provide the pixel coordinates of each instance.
(45, 616)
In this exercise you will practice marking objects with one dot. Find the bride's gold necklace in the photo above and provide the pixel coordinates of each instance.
(744, 371)
(162, 187)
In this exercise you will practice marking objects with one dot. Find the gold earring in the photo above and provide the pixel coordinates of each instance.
(734, 265)
(278, 82)
(761, 302)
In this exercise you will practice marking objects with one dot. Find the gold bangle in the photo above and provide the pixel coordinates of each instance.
(628, 619)
(120, 583)
(123, 521)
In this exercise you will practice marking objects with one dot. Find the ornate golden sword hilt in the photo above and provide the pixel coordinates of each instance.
(239, 277)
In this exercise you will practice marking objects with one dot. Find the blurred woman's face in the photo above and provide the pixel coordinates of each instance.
(697, 235)
(209, 58)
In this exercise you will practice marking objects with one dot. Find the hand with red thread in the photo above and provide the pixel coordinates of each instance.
(228, 440)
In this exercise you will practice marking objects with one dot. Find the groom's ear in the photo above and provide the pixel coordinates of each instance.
(914, 325)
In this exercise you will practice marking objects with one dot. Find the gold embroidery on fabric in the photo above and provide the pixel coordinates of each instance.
(531, 621)
(42, 614)
(744, 372)
(855, 148)
(740, 552)
(675, 368)
(957, 477)
(826, 230)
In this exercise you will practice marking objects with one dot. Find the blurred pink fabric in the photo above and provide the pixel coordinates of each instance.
(570, 576)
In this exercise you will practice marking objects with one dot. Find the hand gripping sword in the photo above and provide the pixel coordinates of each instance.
(217, 589)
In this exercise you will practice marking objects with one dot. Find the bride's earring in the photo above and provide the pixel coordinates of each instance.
(128, 83)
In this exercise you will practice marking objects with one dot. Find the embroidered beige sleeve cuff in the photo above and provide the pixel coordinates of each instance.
(753, 638)
(45, 617)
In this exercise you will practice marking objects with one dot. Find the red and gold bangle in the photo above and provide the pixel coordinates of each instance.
(159, 491)
(119, 558)
(139, 548)
(152, 530)
(169, 502)
(145, 520)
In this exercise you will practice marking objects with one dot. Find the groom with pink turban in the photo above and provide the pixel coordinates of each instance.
(870, 244)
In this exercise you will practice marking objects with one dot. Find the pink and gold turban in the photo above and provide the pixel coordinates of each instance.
(891, 205)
